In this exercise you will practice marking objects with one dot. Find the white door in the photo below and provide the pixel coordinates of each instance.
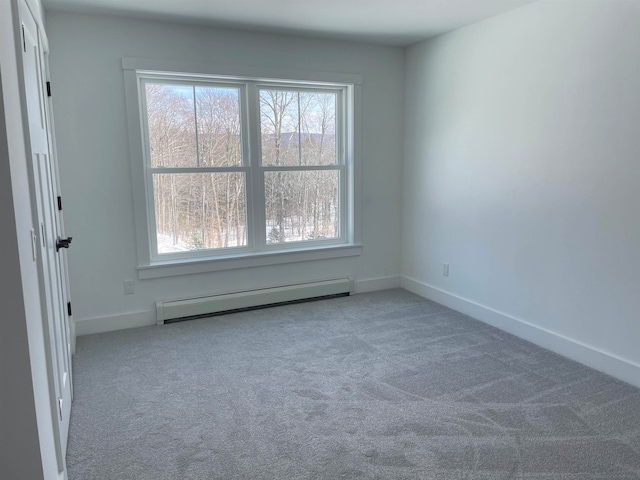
(51, 262)
(55, 178)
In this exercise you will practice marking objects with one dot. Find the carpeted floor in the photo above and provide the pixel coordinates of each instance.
(385, 386)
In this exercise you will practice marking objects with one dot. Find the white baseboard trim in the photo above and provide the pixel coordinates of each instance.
(593, 357)
(375, 284)
(111, 323)
(123, 321)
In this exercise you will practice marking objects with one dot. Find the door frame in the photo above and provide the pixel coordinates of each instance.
(31, 8)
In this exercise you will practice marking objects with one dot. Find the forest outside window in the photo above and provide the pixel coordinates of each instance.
(241, 167)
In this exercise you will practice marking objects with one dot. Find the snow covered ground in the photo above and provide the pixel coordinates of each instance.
(166, 245)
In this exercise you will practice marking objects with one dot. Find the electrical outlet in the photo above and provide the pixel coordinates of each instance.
(445, 269)
(128, 287)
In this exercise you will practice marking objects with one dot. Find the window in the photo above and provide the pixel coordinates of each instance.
(237, 167)
(195, 168)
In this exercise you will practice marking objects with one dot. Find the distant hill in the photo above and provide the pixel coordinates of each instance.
(291, 138)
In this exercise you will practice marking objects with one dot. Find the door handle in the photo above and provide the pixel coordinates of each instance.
(63, 243)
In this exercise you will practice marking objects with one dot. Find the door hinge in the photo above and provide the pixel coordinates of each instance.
(69, 308)
(60, 400)
(48, 89)
(24, 40)
(59, 202)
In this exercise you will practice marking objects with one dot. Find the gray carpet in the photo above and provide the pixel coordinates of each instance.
(384, 385)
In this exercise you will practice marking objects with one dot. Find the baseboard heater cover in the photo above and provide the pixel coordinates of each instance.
(168, 311)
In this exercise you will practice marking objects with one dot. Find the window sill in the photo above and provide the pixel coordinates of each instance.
(247, 260)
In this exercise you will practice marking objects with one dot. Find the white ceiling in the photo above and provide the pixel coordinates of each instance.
(390, 22)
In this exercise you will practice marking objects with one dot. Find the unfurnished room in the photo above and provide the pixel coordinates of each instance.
(274, 239)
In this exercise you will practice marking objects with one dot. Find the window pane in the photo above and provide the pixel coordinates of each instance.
(302, 205)
(279, 127)
(298, 127)
(218, 114)
(198, 211)
(172, 125)
(318, 128)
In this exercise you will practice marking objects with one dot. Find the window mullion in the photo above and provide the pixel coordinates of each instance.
(255, 207)
(341, 157)
(299, 133)
(299, 168)
(161, 170)
(195, 117)
(346, 127)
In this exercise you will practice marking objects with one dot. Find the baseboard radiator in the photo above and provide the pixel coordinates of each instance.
(168, 311)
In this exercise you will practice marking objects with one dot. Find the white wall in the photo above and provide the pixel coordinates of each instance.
(27, 449)
(92, 140)
(522, 172)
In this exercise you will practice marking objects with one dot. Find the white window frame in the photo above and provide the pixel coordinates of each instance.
(249, 81)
